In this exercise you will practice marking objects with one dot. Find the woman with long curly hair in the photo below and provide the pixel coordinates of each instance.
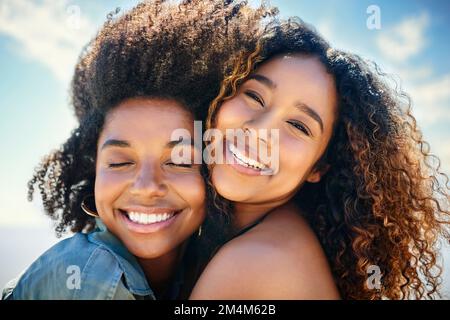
(357, 194)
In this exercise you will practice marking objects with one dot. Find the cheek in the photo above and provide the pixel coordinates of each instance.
(191, 188)
(108, 187)
(296, 157)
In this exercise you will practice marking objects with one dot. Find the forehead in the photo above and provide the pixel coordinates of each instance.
(302, 78)
(146, 118)
(305, 70)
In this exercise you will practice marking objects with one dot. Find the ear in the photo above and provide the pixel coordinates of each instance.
(317, 174)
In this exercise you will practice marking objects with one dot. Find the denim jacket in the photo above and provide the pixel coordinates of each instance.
(85, 266)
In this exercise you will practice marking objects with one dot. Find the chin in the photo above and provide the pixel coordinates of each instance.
(144, 253)
(146, 250)
(229, 188)
(232, 192)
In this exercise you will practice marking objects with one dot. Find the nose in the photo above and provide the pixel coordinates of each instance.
(259, 125)
(265, 128)
(149, 182)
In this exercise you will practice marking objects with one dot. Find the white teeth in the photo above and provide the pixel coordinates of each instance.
(243, 160)
(144, 218)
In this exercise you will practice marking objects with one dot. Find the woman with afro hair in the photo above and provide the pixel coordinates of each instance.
(136, 214)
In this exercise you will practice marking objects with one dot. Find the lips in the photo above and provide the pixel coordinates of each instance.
(148, 215)
(144, 218)
(242, 160)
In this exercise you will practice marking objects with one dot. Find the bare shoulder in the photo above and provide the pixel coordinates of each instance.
(280, 258)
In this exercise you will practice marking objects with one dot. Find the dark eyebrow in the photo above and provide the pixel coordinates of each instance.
(309, 111)
(173, 143)
(115, 143)
(263, 79)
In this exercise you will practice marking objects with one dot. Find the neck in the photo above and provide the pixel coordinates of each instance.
(247, 213)
(160, 271)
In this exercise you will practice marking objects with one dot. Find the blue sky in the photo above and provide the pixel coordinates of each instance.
(41, 40)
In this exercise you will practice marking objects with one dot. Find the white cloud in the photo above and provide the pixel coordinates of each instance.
(415, 73)
(430, 93)
(434, 91)
(405, 39)
(441, 148)
(51, 32)
(325, 28)
(431, 99)
(431, 108)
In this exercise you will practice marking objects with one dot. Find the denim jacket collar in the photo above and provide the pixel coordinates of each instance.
(134, 275)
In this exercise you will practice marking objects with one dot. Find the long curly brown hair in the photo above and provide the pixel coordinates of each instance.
(384, 201)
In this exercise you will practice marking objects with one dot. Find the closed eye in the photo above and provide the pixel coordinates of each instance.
(182, 165)
(253, 95)
(120, 164)
(299, 126)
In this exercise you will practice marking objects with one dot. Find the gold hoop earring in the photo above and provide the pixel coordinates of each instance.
(88, 211)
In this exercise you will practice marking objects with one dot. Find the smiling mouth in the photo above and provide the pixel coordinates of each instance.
(245, 161)
(145, 217)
